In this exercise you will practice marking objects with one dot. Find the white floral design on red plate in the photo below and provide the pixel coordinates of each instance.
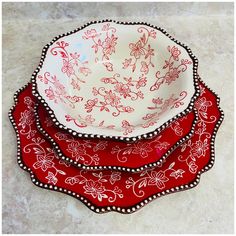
(44, 156)
(139, 148)
(177, 128)
(155, 178)
(27, 119)
(198, 148)
(79, 149)
(96, 187)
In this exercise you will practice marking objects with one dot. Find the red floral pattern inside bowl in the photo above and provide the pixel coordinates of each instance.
(115, 80)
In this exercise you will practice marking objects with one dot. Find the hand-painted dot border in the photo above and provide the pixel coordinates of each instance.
(121, 138)
(123, 210)
(62, 156)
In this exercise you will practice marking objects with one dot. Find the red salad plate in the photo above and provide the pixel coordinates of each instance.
(94, 154)
(103, 191)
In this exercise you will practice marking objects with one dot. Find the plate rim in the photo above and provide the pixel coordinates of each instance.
(63, 157)
(146, 135)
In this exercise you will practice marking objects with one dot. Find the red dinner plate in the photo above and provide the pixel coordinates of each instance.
(107, 190)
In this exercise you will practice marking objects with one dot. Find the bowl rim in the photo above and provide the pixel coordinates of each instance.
(146, 135)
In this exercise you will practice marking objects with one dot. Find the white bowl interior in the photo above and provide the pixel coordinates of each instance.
(96, 71)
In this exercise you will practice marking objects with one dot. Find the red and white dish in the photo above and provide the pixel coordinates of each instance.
(103, 191)
(117, 80)
(97, 154)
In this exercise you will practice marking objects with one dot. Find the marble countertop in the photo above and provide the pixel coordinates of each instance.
(207, 28)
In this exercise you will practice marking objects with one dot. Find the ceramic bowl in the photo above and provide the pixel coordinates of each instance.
(117, 80)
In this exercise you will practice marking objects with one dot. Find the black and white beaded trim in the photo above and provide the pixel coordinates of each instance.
(114, 208)
(121, 138)
(62, 156)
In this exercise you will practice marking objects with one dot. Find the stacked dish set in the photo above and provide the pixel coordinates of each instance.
(116, 116)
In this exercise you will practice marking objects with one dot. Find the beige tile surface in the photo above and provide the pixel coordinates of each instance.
(207, 28)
